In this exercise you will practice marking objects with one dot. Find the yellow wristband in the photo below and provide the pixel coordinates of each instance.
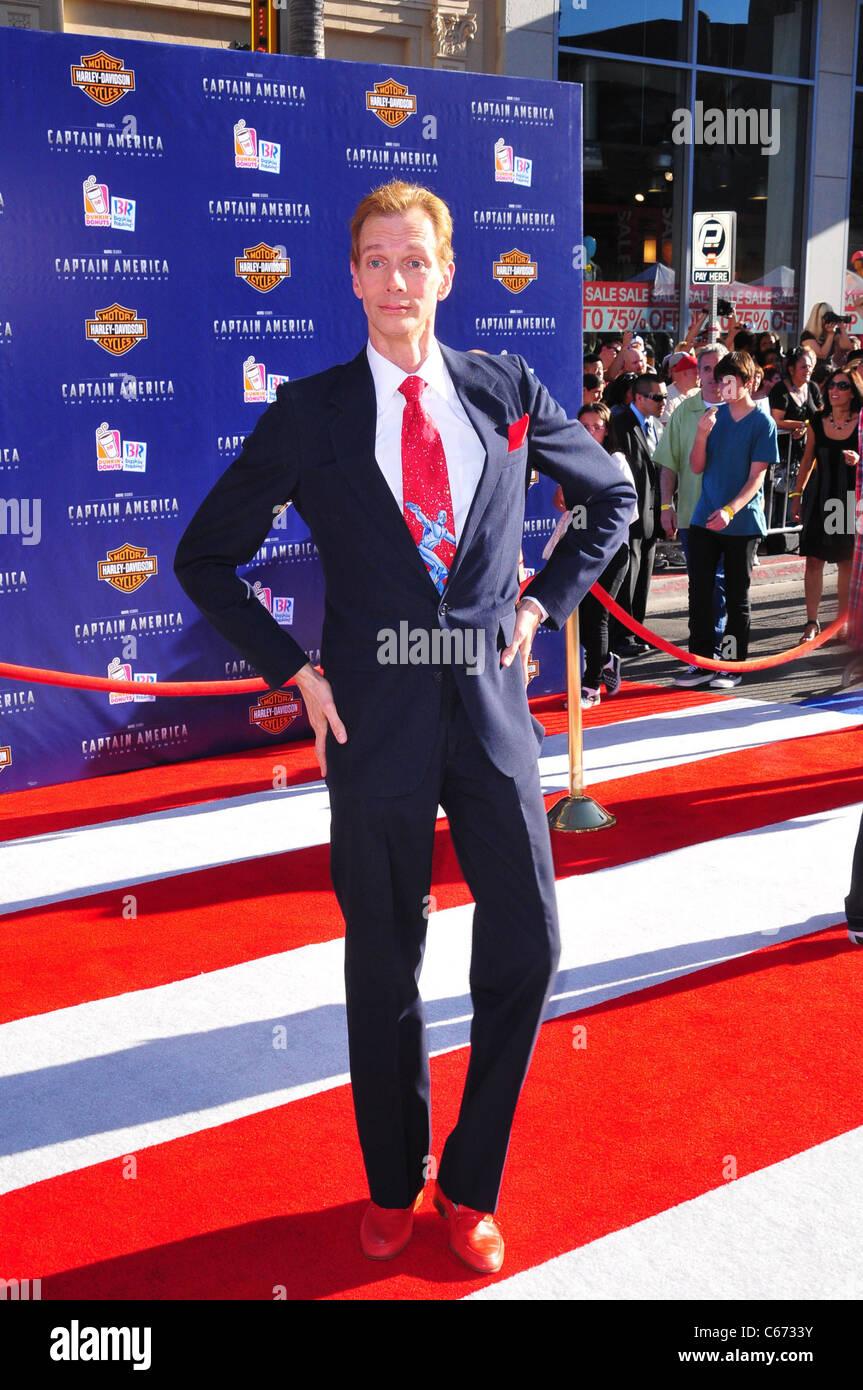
(729, 510)
(667, 507)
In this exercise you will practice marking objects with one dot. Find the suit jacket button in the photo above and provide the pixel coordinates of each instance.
(444, 608)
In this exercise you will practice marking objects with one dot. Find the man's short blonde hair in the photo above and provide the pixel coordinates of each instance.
(397, 197)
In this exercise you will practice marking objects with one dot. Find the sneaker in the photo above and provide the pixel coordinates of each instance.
(589, 697)
(725, 680)
(692, 675)
(855, 935)
(611, 674)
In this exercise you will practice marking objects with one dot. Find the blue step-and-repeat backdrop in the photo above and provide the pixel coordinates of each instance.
(173, 233)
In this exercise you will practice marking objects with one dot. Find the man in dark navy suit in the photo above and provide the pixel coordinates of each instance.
(409, 467)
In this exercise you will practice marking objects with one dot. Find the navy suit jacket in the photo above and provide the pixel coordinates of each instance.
(628, 436)
(315, 447)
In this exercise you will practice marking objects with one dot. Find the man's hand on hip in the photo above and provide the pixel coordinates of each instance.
(322, 711)
(527, 620)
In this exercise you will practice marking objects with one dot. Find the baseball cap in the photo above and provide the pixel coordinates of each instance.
(858, 256)
(682, 362)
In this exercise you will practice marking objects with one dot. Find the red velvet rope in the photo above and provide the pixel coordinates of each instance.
(38, 676)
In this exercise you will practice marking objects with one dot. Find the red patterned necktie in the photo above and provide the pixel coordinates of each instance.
(427, 500)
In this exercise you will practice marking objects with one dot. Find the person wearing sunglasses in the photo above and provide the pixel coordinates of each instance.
(635, 434)
(826, 476)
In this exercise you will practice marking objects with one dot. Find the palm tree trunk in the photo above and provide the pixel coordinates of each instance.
(307, 28)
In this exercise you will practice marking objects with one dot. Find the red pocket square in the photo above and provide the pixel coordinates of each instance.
(518, 433)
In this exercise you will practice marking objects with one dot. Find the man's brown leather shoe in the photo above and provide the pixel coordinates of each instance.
(384, 1231)
(473, 1235)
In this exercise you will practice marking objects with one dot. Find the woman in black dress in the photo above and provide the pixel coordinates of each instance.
(794, 401)
(826, 478)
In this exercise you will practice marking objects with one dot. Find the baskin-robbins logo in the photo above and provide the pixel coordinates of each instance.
(263, 266)
(283, 610)
(102, 210)
(391, 102)
(117, 455)
(116, 329)
(259, 385)
(128, 567)
(275, 711)
(509, 167)
(515, 271)
(104, 79)
(252, 151)
(5, 757)
(119, 670)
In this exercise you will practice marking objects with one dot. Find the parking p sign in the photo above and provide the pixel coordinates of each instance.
(713, 244)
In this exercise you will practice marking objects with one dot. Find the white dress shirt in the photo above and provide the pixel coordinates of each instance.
(465, 455)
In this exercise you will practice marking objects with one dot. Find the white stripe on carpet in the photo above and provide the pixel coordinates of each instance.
(793, 1230)
(106, 1078)
(96, 858)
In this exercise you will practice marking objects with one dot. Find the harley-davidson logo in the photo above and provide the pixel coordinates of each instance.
(515, 270)
(5, 758)
(391, 102)
(128, 568)
(103, 78)
(275, 711)
(116, 329)
(263, 267)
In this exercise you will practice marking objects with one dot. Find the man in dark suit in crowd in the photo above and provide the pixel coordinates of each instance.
(635, 433)
(409, 466)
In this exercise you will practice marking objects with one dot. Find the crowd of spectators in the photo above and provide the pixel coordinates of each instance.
(728, 439)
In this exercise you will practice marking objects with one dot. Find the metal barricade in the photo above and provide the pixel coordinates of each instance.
(778, 484)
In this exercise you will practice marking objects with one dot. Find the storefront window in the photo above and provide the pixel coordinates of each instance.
(631, 169)
(756, 35)
(638, 28)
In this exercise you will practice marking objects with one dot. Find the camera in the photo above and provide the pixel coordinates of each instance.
(725, 308)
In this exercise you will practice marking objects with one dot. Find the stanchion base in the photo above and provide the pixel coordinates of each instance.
(579, 813)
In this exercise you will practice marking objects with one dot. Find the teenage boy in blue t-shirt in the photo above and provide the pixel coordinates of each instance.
(733, 449)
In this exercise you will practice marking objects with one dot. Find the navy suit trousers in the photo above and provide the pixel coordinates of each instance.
(381, 863)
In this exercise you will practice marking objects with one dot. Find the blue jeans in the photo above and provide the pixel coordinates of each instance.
(719, 610)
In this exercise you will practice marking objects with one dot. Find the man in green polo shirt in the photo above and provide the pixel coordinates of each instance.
(676, 476)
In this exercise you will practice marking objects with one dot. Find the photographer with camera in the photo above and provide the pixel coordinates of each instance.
(825, 332)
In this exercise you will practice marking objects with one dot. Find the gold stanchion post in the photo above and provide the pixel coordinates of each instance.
(576, 812)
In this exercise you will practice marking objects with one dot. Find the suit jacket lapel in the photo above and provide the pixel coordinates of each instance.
(487, 413)
(352, 430)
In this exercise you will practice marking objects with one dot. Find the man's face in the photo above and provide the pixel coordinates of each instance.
(731, 389)
(685, 381)
(706, 367)
(652, 404)
(635, 360)
(399, 277)
(591, 394)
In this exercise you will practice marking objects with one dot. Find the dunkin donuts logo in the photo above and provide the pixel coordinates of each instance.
(101, 210)
(114, 454)
(258, 384)
(103, 78)
(391, 102)
(5, 758)
(275, 711)
(128, 567)
(252, 151)
(263, 267)
(515, 271)
(116, 329)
